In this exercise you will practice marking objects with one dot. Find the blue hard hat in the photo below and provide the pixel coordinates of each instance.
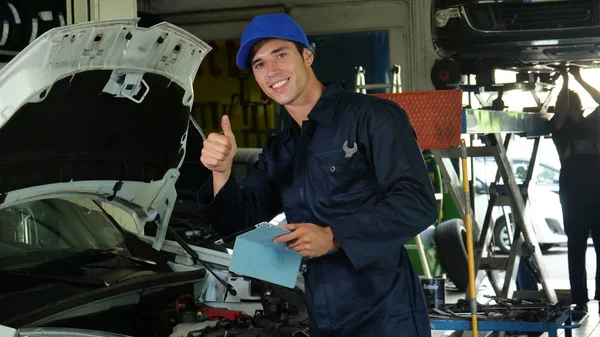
(279, 26)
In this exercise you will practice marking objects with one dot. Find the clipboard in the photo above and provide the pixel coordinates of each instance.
(255, 255)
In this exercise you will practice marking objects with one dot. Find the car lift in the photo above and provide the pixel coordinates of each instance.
(492, 123)
(440, 120)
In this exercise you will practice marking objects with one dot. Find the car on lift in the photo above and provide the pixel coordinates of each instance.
(527, 36)
(95, 135)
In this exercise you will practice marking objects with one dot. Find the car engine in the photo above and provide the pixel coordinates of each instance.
(175, 311)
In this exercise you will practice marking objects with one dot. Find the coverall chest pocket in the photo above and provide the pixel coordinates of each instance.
(340, 178)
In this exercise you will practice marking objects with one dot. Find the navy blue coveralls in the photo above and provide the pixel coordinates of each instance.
(578, 147)
(374, 200)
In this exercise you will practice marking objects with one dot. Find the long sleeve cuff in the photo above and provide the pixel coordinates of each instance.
(206, 197)
(222, 210)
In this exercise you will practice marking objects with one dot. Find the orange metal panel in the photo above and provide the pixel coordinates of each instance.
(436, 116)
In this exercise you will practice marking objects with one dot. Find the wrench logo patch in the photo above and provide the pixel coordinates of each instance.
(349, 151)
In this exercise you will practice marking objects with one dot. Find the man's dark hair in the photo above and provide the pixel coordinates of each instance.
(299, 46)
(573, 98)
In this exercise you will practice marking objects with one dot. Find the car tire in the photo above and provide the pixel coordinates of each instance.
(450, 239)
(501, 238)
(445, 74)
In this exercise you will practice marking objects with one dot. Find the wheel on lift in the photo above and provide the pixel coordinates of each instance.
(451, 242)
(445, 74)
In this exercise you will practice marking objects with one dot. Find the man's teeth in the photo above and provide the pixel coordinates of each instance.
(279, 84)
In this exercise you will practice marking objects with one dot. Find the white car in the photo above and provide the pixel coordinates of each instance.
(544, 208)
(94, 129)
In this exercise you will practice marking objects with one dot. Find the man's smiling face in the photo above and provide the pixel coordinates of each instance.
(280, 70)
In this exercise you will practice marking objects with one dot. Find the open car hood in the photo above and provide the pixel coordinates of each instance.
(100, 109)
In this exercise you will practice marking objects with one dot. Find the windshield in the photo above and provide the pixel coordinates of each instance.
(46, 230)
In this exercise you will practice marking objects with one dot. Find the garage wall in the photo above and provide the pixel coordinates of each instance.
(406, 20)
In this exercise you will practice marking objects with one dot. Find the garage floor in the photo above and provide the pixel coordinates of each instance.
(591, 327)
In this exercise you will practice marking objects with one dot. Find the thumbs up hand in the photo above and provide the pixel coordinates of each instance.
(219, 149)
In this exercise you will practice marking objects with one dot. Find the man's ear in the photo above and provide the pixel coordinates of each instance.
(308, 56)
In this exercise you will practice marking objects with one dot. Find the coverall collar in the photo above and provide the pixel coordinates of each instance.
(324, 111)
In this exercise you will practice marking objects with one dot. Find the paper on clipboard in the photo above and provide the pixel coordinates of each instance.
(255, 255)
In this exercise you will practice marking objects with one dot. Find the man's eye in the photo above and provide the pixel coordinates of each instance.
(281, 55)
(257, 65)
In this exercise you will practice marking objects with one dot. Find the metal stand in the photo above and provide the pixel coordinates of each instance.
(492, 123)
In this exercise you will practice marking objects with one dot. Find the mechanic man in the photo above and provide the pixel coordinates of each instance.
(350, 178)
(577, 140)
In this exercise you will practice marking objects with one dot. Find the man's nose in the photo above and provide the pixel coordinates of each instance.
(272, 68)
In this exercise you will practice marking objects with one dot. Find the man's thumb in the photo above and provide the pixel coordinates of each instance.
(226, 125)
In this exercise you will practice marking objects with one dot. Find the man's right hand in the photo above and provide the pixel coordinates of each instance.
(219, 150)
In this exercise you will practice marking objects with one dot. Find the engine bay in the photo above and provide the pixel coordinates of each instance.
(180, 311)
